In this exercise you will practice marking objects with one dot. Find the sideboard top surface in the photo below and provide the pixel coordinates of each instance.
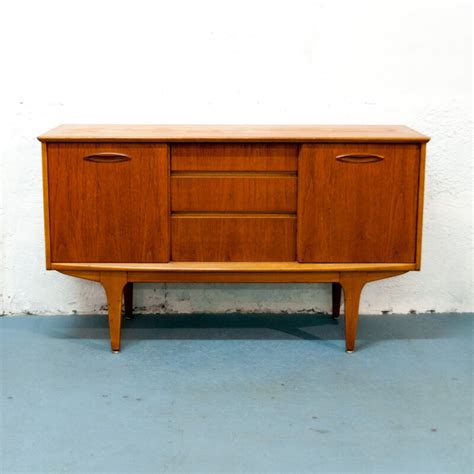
(234, 133)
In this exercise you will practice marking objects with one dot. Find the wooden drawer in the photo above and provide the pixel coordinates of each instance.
(234, 157)
(233, 238)
(233, 192)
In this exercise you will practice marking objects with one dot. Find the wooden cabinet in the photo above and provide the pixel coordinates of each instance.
(335, 204)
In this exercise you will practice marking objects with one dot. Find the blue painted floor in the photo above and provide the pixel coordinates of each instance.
(237, 394)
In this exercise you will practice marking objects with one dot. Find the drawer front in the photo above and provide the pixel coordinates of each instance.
(233, 193)
(108, 202)
(237, 238)
(234, 157)
(358, 203)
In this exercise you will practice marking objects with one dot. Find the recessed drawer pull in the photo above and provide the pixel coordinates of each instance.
(107, 157)
(359, 158)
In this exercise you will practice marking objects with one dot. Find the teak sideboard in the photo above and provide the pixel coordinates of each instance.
(193, 203)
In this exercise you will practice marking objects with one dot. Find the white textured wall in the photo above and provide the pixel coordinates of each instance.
(240, 61)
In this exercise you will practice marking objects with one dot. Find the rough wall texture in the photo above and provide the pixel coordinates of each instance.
(238, 62)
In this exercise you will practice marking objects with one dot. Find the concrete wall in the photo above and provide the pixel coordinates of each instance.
(245, 61)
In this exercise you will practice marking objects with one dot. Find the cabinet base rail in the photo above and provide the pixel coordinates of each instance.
(118, 286)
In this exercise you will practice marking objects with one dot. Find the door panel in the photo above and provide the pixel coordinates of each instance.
(357, 203)
(108, 202)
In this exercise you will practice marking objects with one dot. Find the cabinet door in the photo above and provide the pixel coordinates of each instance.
(108, 202)
(357, 203)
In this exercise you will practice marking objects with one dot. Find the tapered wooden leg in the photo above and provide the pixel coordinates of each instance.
(352, 283)
(336, 300)
(128, 300)
(113, 283)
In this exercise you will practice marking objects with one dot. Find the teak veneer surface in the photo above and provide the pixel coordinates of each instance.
(108, 212)
(234, 157)
(233, 238)
(235, 267)
(251, 193)
(341, 204)
(233, 133)
(358, 212)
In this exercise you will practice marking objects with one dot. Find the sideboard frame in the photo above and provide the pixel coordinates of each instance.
(117, 279)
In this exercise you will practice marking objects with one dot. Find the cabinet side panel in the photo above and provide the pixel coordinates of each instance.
(47, 240)
(421, 194)
(103, 210)
(358, 203)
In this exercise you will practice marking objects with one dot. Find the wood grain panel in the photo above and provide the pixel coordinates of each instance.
(108, 212)
(421, 194)
(251, 193)
(47, 240)
(358, 212)
(239, 277)
(235, 267)
(233, 133)
(234, 157)
(233, 238)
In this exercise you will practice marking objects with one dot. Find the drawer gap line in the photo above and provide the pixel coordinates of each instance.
(234, 214)
(233, 174)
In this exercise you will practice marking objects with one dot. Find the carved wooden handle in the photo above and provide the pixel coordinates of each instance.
(359, 158)
(107, 157)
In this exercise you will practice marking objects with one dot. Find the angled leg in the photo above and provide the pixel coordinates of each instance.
(336, 300)
(113, 283)
(352, 283)
(128, 300)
